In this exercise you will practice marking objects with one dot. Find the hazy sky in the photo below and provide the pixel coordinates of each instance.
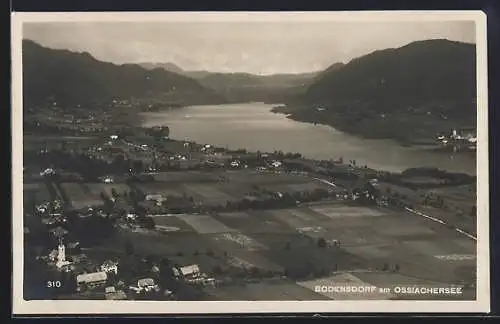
(255, 47)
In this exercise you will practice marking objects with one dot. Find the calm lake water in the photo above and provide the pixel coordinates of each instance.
(254, 127)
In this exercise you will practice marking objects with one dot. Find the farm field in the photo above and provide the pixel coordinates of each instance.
(35, 192)
(458, 203)
(161, 188)
(172, 224)
(287, 240)
(120, 188)
(210, 194)
(218, 187)
(377, 246)
(269, 290)
(82, 195)
(182, 248)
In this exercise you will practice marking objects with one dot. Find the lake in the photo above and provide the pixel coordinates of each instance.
(254, 127)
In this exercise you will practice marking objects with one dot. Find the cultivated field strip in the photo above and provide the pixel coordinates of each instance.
(80, 195)
(208, 193)
(205, 224)
(36, 192)
(334, 211)
(278, 291)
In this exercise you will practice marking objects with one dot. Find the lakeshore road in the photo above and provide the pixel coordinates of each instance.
(416, 212)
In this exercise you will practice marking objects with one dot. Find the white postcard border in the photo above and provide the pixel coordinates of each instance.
(481, 305)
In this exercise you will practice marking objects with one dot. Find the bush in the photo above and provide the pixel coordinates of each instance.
(254, 271)
(217, 269)
(321, 242)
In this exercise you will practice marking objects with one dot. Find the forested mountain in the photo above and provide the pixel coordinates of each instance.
(415, 90)
(71, 78)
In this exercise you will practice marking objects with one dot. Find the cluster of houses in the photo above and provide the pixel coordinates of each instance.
(47, 172)
(455, 137)
(51, 213)
(105, 276)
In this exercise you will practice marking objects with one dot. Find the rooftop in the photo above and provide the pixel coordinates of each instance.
(145, 282)
(91, 277)
(190, 269)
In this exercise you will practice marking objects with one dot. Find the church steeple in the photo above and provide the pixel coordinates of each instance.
(61, 255)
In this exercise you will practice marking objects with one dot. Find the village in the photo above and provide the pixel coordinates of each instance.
(458, 140)
(128, 213)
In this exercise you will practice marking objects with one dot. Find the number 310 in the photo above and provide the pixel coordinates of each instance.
(53, 284)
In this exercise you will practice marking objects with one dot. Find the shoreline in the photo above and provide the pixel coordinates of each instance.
(137, 119)
(424, 143)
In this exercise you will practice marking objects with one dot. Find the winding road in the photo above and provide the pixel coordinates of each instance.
(415, 212)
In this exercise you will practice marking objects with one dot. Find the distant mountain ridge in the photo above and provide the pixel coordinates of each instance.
(241, 86)
(170, 67)
(72, 78)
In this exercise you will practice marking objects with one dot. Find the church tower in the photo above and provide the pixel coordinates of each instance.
(61, 255)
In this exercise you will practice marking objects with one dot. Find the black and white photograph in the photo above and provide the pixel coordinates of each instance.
(272, 162)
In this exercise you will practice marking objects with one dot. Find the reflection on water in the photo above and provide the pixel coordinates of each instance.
(254, 127)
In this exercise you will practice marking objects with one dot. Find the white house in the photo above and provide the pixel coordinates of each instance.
(131, 216)
(108, 180)
(190, 271)
(145, 285)
(155, 197)
(42, 208)
(110, 266)
(276, 164)
(48, 171)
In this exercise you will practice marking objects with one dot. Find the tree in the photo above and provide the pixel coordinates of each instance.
(473, 211)
(217, 269)
(129, 248)
(321, 242)
(254, 271)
